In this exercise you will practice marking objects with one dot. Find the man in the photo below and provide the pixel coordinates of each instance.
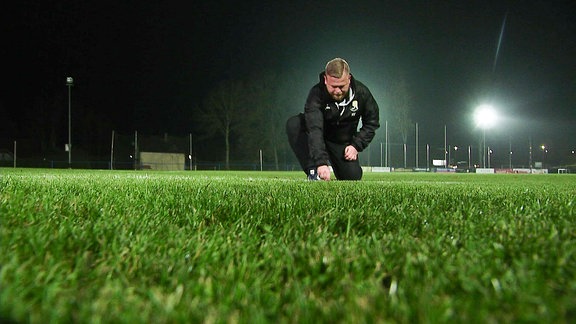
(327, 132)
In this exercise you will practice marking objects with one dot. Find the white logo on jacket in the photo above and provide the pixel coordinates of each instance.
(354, 108)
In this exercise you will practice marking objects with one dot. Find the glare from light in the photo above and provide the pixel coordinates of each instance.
(485, 116)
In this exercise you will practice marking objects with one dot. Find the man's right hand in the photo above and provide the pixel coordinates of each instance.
(324, 172)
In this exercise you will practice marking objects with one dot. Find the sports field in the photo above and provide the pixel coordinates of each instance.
(166, 247)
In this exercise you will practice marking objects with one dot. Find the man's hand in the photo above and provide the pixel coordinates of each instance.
(324, 172)
(350, 153)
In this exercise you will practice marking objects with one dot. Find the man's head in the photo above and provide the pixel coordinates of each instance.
(337, 78)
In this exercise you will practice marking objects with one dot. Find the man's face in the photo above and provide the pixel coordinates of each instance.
(338, 87)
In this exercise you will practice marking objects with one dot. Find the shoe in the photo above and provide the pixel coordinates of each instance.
(313, 175)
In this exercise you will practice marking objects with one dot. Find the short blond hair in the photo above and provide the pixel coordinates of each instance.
(337, 67)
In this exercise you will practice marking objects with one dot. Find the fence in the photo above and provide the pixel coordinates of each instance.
(123, 152)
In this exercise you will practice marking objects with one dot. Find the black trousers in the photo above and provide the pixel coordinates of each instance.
(298, 138)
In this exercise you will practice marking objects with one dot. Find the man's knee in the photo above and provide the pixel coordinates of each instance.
(294, 125)
(355, 174)
(349, 171)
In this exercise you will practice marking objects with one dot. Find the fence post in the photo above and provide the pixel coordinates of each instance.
(112, 153)
(261, 168)
(190, 155)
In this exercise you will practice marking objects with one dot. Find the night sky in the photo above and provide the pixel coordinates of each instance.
(139, 65)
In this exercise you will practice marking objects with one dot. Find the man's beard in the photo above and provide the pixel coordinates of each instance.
(340, 97)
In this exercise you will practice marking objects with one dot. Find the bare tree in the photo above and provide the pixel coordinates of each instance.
(401, 103)
(270, 113)
(223, 111)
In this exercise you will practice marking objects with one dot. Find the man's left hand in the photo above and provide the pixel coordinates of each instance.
(350, 153)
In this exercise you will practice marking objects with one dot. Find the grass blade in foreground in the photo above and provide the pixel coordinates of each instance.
(88, 246)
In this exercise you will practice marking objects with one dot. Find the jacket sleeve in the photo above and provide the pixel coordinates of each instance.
(370, 121)
(315, 127)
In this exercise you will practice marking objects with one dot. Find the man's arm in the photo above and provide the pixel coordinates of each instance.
(370, 122)
(315, 127)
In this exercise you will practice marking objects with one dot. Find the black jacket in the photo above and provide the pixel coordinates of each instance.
(325, 120)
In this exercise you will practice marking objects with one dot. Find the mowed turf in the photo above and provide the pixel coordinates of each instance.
(249, 247)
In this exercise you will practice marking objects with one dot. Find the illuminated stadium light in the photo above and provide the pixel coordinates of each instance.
(485, 117)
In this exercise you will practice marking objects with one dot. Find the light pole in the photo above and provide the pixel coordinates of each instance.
(454, 157)
(510, 153)
(469, 157)
(485, 117)
(544, 151)
(69, 83)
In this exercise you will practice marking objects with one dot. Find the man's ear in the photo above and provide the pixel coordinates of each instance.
(325, 79)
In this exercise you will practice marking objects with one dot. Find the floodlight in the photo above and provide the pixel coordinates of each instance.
(485, 116)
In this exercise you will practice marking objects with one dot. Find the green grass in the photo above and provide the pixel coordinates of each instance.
(112, 246)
